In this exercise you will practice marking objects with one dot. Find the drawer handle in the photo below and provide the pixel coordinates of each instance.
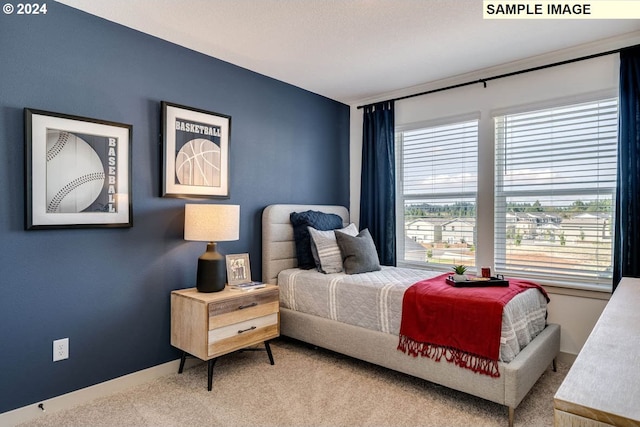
(242, 307)
(245, 330)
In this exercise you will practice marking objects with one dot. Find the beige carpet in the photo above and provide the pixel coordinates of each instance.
(306, 387)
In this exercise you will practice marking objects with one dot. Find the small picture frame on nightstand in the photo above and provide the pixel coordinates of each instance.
(238, 269)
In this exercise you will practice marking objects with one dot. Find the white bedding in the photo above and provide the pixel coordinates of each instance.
(374, 301)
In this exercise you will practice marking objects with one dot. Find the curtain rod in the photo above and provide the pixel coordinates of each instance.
(500, 76)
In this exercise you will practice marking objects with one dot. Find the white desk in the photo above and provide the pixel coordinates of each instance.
(603, 386)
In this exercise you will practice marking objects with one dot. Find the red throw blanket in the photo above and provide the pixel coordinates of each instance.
(462, 324)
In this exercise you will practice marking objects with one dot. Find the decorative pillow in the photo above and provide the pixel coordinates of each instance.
(325, 249)
(359, 253)
(319, 221)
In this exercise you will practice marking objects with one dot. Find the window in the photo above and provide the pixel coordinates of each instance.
(437, 187)
(555, 179)
(554, 175)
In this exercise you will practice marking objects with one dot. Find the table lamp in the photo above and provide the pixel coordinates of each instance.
(211, 223)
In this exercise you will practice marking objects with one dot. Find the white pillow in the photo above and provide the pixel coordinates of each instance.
(325, 249)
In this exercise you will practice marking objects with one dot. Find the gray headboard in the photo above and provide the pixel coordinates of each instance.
(278, 245)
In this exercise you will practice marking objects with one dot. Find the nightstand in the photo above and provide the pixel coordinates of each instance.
(209, 325)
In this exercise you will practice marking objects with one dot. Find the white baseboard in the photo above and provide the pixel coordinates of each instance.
(78, 397)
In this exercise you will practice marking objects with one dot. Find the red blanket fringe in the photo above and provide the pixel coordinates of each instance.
(476, 364)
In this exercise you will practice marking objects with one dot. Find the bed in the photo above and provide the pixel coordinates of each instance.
(516, 378)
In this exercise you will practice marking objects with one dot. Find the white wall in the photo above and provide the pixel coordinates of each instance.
(576, 312)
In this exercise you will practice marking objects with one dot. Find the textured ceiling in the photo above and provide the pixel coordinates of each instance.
(352, 50)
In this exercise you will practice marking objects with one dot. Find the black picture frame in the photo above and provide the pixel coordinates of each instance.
(195, 152)
(77, 172)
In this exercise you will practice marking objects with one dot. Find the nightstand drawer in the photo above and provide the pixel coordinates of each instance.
(248, 305)
(242, 334)
(238, 329)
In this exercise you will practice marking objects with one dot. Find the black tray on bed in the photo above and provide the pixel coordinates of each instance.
(493, 281)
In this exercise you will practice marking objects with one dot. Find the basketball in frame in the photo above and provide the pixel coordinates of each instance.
(198, 163)
(195, 153)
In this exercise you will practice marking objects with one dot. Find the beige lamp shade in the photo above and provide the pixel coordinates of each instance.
(211, 223)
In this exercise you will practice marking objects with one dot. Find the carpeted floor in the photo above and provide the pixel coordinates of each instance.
(305, 387)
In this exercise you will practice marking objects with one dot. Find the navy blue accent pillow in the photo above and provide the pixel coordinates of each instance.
(318, 220)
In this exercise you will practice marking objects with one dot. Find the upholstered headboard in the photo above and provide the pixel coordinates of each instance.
(278, 244)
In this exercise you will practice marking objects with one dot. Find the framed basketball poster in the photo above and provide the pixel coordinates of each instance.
(195, 152)
(77, 172)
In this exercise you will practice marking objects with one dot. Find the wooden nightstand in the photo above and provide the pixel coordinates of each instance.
(209, 325)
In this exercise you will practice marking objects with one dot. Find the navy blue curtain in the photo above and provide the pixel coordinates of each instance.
(377, 182)
(626, 261)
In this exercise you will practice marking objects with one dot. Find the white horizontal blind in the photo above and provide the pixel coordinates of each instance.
(555, 188)
(438, 172)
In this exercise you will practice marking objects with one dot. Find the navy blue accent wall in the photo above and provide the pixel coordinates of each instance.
(108, 289)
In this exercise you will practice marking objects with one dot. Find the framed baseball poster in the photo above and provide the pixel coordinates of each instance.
(77, 172)
(195, 152)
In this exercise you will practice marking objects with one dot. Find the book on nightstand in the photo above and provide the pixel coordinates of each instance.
(249, 286)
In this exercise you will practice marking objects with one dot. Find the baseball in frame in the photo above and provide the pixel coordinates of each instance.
(75, 175)
(78, 172)
(195, 155)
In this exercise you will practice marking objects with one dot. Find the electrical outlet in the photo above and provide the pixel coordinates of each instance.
(61, 349)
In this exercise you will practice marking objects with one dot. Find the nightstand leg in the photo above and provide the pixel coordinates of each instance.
(268, 348)
(210, 372)
(182, 359)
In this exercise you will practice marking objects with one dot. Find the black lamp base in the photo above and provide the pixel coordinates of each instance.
(212, 270)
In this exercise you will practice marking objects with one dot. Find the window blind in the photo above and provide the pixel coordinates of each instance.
(438, 186)
(555, 187)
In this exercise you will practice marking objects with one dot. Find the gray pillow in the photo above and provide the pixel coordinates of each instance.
(359, 253)
(325, 249)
